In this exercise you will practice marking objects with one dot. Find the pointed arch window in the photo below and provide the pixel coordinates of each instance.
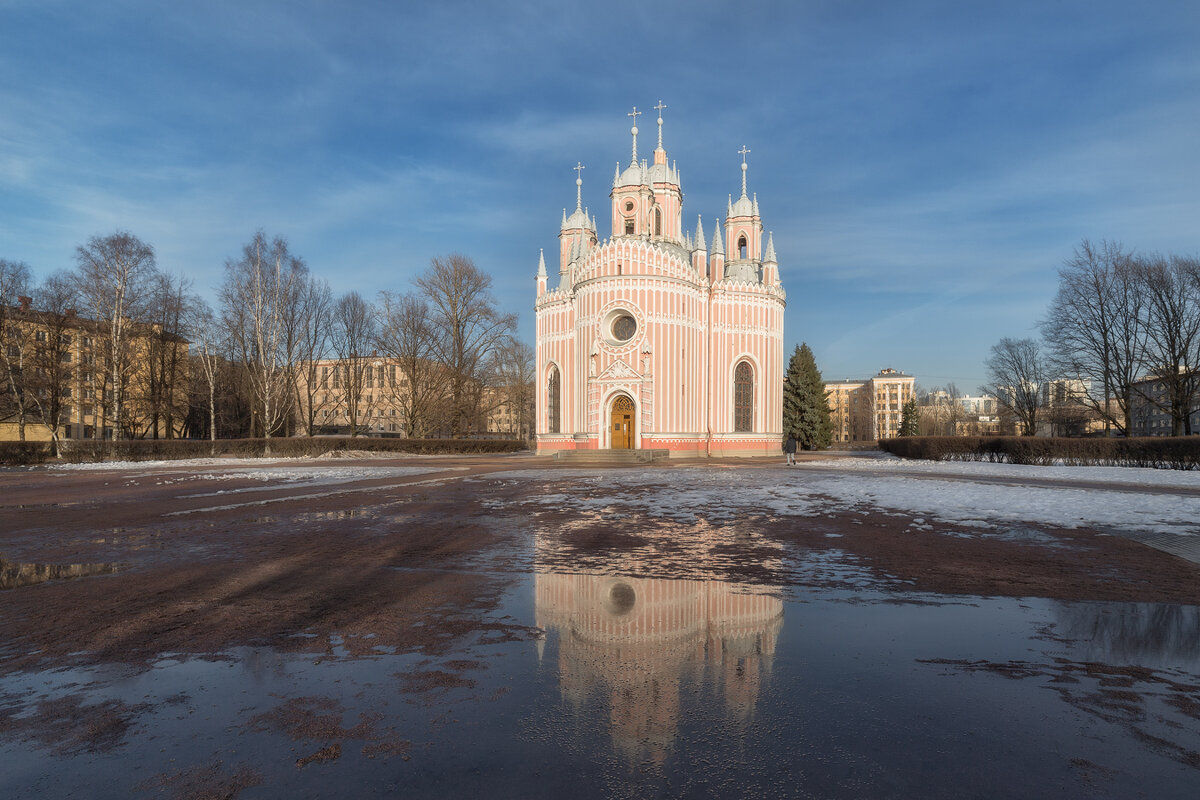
(657, 222)
(743, 397)
(742, 247)
(553, 404)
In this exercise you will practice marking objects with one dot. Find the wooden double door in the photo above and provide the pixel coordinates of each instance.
(622, 422)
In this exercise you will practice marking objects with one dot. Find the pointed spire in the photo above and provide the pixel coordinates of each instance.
(769, 258)
(635, 114)
(717, 247)
(579, 185)
(699, 232)
(564, 222)
(617, 174)
(541, 273)
(729, 208)
(661, 105)
(756, 204)
(687, 241)
(744, 151)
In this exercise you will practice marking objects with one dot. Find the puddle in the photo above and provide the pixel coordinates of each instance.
(13, 574)
(644, 686)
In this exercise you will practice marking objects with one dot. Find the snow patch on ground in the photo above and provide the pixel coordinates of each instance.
(687, 494)
(1130, 476)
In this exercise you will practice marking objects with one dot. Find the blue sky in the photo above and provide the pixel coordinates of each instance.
(925, 166)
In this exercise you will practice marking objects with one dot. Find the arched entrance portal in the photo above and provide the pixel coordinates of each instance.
(622, 423)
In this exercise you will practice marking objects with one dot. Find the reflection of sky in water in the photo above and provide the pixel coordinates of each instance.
(646, 686)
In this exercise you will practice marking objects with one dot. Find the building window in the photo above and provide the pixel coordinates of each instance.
(628, 227)
(743, 397)
(553, 408)
(742, 247)
(657, 222)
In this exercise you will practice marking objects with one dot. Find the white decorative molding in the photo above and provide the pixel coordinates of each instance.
(618, 370)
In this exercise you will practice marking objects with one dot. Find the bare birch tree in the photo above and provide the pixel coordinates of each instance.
(1095, 329)
(14, 344)
(207, 337)
(254, 300)
(310, 327)
(406, 340)
(50, 368)
(113, 274)
(353, 339)
(468, 329)
(1017, 371)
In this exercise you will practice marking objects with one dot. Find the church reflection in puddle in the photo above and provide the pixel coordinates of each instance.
(636, 642)
(13, 574)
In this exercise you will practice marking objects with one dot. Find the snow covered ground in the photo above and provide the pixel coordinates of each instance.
(870, 486)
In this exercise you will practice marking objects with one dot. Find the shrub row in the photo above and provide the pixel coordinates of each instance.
(87, 450)
(25, 452)
(1159, 453)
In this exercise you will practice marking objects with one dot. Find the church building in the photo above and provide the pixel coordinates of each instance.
(654, 338)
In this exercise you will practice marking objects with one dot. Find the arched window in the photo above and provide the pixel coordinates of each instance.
(553, 405)
(657, 222)
(742, 247)
(743, 397)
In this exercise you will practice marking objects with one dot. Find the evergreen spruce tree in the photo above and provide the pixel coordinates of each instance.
(910, 421)
(805, 409)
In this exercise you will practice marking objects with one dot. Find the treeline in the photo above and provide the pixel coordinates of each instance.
(1118, 319)
(164, 363)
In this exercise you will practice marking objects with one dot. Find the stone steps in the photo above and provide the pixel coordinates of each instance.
(610, 457)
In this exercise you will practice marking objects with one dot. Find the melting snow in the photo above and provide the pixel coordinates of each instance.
(894, 486)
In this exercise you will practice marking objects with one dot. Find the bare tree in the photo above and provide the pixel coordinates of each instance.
(208, 336)
(310, 328)
(353, 338)
(1095, 328)
(1173, 334)
(469, 328)
(1017, 371)
(50, 368)
(113, 274)
(406, 339)
(167, 320)
(514, 378)
(254, 300)
(15, 335)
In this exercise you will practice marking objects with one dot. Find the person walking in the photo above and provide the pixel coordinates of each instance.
(789, 447)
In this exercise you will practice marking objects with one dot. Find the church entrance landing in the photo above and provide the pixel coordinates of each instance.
(622, 423)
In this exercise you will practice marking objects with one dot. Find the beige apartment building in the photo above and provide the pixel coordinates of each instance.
(54, 372)
(373, 396)
(868, 410)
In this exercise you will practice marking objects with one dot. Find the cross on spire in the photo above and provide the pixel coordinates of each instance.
(661, 105)
(635, 114)
(579, 167)
(744, 151)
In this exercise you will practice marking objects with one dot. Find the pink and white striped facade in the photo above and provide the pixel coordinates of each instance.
(654, 315)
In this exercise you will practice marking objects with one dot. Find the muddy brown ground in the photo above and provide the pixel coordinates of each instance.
(413, 562)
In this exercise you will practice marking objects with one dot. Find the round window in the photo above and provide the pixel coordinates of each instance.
(623, 328)
(628, 206)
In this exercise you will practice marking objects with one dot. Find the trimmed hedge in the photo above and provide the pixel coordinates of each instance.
(90, 450)
(25, 452)
(1156, 452)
